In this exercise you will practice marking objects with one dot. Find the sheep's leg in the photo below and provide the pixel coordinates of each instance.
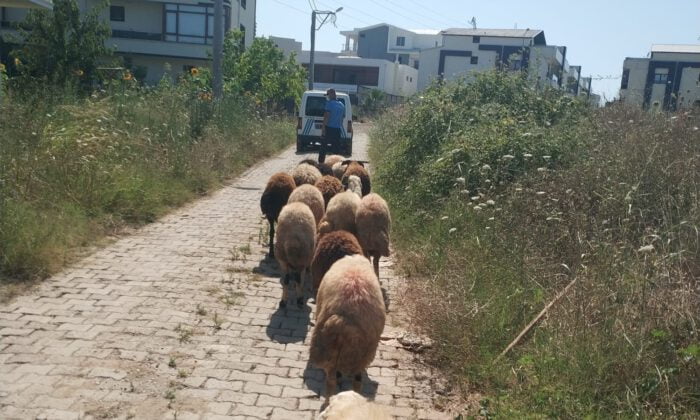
(357, 383)
(272, 239)
(285, 286)
(331, 382)
(300, 288)
(376, 265)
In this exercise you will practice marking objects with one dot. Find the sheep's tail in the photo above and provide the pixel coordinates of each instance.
(340, 344)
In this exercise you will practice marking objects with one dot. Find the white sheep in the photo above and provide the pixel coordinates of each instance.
(350, 316)
(373, 221)
(355, 185)
(340, 213)
(305, 174)
(312, 197)
(349, 405)
(294, 249)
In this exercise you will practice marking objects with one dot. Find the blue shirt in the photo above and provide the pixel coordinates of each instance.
(336, 113)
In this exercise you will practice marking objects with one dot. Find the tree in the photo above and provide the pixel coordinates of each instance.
(262, 72)
(62, 46)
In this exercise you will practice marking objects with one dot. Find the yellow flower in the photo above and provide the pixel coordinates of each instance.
(18, 62)
(128, 76)
(2, 68)
(194, 71)
(79, 73)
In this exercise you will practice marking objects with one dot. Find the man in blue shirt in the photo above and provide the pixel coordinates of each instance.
(332, 123)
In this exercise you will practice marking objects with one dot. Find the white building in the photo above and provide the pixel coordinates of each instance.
(350, 73)
(154, 36)
(668, 79)
(389, 42)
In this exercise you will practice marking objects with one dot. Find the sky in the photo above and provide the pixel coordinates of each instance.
(599, 34)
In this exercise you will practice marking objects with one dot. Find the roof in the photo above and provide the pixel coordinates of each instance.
(425, 31)
(504, 33)
(28, 4)
(675, 48)
(379, 25)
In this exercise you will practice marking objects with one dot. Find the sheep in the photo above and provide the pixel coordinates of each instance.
(349, 405)
(329, 187)
(312, 197)
(340, 213)
(305, 174)
(324, 168)
(355, 185)
(339, 169)
(350, 316)
(333, 159)
(373, 222)
(331, 248)
(275, 196)
(296, 240)
(358, 169)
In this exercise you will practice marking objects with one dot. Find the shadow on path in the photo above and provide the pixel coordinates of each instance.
(315, 381)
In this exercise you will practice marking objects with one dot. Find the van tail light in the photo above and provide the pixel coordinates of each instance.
(299, 123)
(350, 126)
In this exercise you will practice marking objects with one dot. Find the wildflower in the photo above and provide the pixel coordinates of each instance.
(453, 230)
(79, 73)
(461, 180)
(526, 134)
(541, 169)
(478, 208)
(527, 155)
(646, 249)
(491, 203)
(491, 219)
(546, 157)
(540, 193)
(464, 192)
(128, 75)
(486, 167)
(507, 157)
(475, 198)
(2, 68)
(518, 189)
(194, 71)
(444, 218)
(18, 62)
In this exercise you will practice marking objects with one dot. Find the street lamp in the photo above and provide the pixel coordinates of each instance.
(327, 14)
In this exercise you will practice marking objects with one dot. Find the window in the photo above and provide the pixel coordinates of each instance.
(191, 24)
(416, 64)
(475, 60)
(476, 39)
(243, 3)
(516, 65)
(116, 13)
(400, 41)
(316, 105)
(661, 76)
(625, 78)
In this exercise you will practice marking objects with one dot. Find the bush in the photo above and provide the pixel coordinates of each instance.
(502, 195)
(73, 169)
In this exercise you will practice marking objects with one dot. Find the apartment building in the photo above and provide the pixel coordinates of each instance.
(668, 79)
(156, 37)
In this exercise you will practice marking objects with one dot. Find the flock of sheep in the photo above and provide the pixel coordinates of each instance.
(329, 226)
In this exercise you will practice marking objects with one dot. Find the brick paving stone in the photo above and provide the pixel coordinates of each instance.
(96, 340)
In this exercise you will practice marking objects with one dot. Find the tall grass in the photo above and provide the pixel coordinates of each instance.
(73, 169)
(501, 196)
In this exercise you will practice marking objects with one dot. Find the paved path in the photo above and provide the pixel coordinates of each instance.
(180, 320)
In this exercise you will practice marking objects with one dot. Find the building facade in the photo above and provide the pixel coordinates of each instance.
(668, 79)
(162, 37)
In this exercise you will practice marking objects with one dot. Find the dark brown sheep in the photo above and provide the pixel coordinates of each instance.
(275, 196)
(358, 169)
(329, 187)
(331, 248)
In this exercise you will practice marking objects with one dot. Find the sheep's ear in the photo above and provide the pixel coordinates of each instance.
(346, 162)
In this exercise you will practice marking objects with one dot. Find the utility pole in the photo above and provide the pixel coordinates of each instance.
(218, 48)
(328, 14)
(313, 49)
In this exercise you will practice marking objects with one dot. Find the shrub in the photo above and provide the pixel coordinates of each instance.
(608, 198)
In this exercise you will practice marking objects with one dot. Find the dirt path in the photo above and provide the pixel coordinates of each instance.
(180, 320)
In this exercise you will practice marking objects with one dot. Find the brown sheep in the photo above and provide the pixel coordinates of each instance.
(350, 316)
(324, 168)
(296, 241)
(358, 169)
(333, 159)
(312, 197)
(305, 174)
(373, 222)
(330, 248)
(275, 196)
(329, 187)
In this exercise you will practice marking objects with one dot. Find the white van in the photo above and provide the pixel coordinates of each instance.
(310, 122)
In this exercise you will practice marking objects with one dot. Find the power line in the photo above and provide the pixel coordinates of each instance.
(345, 13)
(292, 7)
(439, 22)
(447, 19)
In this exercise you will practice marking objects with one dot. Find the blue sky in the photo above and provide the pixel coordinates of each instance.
(599, 34)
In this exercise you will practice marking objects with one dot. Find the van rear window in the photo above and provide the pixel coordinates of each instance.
(315, 105)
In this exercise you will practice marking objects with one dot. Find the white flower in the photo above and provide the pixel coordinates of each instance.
(461, 180)
(492, 219)
(486, 167)
(526, 134)
(646, 249)
(464, 192)
(477, 208)
(453, 230)
(518, 189)
(540, 193)
(507, 157)
(541, 169)
(527, 155)
(475, 198)
(491, 203)
(546, 157)
(487, 181)
(444, 218)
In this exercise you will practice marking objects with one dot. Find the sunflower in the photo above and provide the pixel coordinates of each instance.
(128, 76)
(194, 71)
